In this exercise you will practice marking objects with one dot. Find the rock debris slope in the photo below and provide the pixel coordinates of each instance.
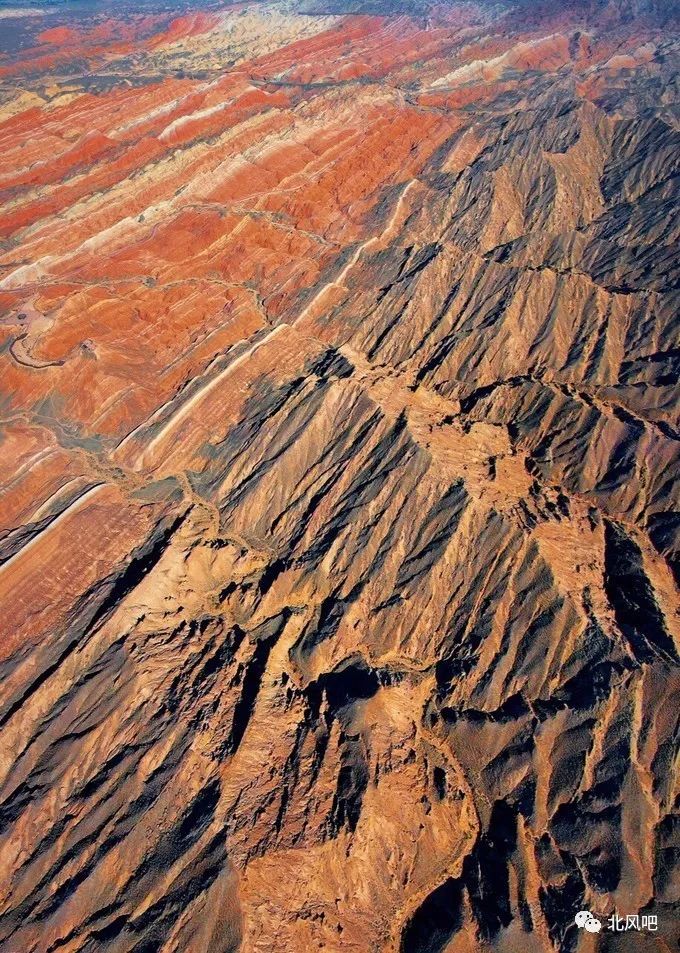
(339, 517)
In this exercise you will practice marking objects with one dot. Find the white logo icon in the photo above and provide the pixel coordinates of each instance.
(586, 921)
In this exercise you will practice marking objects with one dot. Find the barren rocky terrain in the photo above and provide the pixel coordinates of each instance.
(339, 523)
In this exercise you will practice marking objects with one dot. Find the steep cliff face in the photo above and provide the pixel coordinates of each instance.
(339, 534)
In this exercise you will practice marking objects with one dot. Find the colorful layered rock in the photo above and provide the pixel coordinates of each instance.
(338, 477)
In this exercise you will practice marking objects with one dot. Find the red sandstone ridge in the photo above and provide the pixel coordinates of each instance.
(338, 477)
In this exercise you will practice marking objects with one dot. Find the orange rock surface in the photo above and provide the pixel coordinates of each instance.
(338, 477)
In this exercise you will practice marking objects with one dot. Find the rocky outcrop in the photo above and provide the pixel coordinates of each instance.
(339, 534)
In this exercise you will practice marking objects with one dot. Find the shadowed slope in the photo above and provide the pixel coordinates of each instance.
(339, 389)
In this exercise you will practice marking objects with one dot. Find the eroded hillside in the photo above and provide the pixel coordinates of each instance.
(339, 394)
